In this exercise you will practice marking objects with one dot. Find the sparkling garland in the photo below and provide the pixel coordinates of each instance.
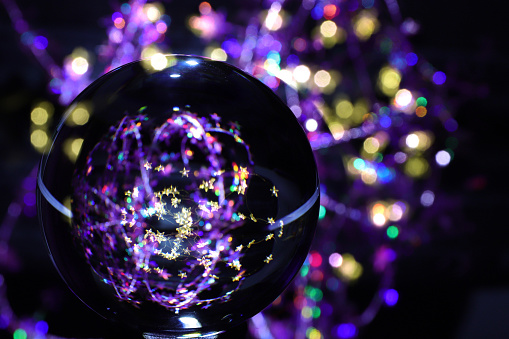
(368, 102)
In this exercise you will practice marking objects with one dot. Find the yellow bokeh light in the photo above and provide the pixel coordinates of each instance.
(153, 11)
(322, 78)
(365, 24)
(315, 334)
(328, 29)
(39, 116)
(389, 80)
(218, 54)
(350, 269)
(76, 145)
(416, 167)
(80, 115)
(72, 147)
(371, 145)
(39, 138)
(337, 130)
(344, 109)
(360, 109)
(369, 176)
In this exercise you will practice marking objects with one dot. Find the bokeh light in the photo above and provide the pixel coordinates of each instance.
(427, 198)
(365, 24)
(344, 109)
(301, 73)
(79, 65)
(335, 260)
(218, 54)
(439, 78)
(39, 116)
(389, 80)
(322, 78)
(403, 98)
(443, 158)
(39, 138)
(328, 28)
(391, 297)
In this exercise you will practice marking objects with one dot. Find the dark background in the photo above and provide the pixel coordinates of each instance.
(455, 286)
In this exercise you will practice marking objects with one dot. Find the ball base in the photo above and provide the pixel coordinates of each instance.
(238, 332)
(177, 336)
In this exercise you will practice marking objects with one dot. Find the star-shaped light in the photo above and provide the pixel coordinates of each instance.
(274, 191)
(185, 172)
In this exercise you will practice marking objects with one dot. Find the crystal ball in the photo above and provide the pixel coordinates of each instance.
(179, 196)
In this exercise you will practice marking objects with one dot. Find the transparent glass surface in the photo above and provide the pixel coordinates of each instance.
(179, 196)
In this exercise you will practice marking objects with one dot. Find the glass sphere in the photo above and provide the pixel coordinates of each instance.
(179, 196)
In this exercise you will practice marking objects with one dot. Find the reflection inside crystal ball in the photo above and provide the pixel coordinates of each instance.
(192, 201)
(168, 206)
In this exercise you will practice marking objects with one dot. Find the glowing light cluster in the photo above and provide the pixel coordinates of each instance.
(382, 212)
(350, 269)
(370, 172)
